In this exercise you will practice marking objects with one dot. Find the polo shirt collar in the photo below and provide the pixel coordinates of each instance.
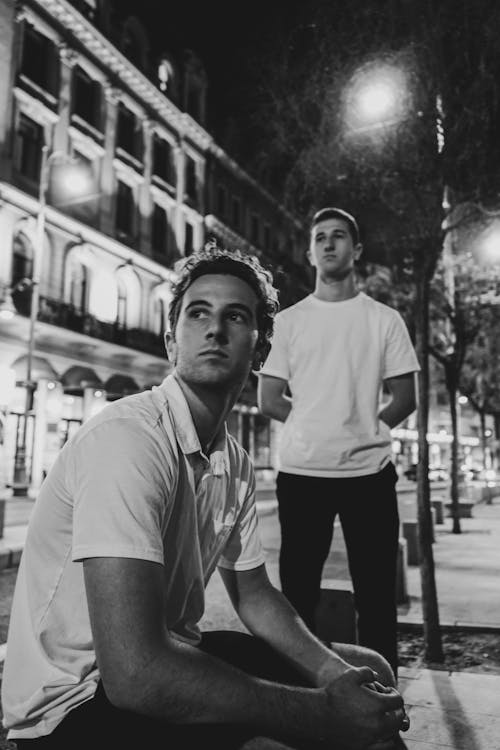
(185, 431)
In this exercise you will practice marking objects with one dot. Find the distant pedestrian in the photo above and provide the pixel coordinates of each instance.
(151, 495)
(333, 352)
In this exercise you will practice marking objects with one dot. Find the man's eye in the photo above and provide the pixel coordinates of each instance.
(237, 317)
(197, 314)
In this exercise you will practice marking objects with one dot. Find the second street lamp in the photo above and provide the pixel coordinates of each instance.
(77, 185)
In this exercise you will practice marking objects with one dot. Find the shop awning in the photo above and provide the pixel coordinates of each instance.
(120, 385)
(77, 378)
(40, 369)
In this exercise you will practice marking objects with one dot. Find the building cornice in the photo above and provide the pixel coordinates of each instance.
(21, 201)
(104, 51)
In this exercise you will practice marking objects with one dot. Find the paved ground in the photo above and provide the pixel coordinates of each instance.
(449, 711)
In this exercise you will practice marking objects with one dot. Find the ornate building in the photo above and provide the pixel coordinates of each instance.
(77, 91)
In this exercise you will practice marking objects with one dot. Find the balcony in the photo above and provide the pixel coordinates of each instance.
(64, 315)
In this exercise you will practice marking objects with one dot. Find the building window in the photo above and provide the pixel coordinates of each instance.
(236, 213)
(121, 308)
(129, 133)
(188, 239)
(160, 322)
(221, 201)
(30, 140)
(125, 208)
(254, 229)
(78, 288)
(87, 98)
(40, 61)
(22, 260)
(160, 230)
(163, 160)
(191, 187)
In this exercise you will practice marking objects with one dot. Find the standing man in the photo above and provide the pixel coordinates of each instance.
(334, 350)
(141, 506)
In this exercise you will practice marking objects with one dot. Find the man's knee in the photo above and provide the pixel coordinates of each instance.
(360, 656)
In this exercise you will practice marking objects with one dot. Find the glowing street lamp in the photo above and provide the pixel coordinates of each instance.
(377, 96)
(75, 184)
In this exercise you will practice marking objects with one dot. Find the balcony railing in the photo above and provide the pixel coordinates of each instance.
(65, 315)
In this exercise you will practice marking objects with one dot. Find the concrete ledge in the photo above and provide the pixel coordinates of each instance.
(464, 509)
(10, 557)
(336, 617)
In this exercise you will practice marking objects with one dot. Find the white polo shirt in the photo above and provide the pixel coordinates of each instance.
(133, 483)
(335, 357)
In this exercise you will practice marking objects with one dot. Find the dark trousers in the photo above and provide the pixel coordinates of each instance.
(368, 511)
(98, 725)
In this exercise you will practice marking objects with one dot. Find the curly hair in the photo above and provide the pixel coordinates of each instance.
(213, 259)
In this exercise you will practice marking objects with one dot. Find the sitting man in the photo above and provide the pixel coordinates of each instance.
(146, 500)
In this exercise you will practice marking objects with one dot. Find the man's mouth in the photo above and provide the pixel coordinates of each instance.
(219, 353)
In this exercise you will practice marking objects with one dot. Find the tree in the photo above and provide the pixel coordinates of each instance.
(393, 173)
(481, 372)
(459, 316)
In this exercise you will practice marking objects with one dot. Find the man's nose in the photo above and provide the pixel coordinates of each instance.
(217, 328)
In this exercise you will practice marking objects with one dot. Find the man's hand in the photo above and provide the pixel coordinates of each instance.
(361, 715)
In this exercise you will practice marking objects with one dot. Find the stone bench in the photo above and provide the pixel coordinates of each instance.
(336, 617)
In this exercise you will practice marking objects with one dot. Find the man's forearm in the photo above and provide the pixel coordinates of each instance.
(187, 686)
(270, 616)
(396, 411)
(278, 409)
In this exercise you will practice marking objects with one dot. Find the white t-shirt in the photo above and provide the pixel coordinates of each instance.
(335, 357)
(131, 483)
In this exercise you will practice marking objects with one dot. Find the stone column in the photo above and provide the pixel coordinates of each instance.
(68, 58)
(180, 162)
(145, 198)
(107, 186)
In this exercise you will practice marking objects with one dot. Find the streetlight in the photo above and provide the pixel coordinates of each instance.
(376, 97)
(74, 183)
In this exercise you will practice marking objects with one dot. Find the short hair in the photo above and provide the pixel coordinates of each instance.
(213, 259)
(337, 213)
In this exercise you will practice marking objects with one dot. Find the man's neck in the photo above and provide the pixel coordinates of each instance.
(335, 290)
(209, 409)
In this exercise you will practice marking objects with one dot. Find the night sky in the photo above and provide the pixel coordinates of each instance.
(226, 35)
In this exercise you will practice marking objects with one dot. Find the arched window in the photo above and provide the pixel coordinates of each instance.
(160, 316)
(79, 287)
(129, 301)
(161, 296)
(22, 259)
(121, 310)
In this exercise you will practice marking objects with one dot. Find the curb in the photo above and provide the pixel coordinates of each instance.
(451, 627)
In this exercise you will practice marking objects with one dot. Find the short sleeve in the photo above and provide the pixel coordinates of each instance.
(399, 354)
(277, 364)
(122, 483)
(243, 550)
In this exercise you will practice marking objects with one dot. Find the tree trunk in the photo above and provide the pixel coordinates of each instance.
(482, 422)
(454, 495)
(432, 632)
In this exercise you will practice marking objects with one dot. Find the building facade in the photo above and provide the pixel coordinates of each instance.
(74, 92)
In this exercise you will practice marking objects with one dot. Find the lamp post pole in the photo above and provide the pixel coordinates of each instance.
(21, 476)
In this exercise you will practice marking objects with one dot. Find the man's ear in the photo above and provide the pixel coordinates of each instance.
(358, 250)
(170, 346)
(260, 356)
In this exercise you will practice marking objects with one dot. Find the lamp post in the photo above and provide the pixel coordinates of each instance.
(76, 183)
